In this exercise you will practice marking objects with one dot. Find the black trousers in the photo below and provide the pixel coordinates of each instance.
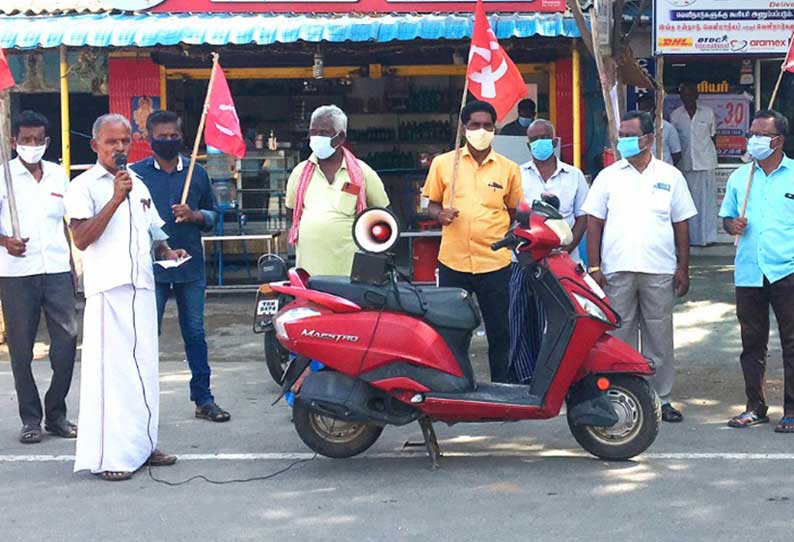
(491, 290)
(752, 309)
(24, 299)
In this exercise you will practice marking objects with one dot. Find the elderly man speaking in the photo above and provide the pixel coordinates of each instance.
(115, 224)
(325, 193)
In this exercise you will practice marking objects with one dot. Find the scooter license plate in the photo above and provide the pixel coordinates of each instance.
(265, 308)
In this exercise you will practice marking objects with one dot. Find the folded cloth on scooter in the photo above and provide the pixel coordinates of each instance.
(442, 307)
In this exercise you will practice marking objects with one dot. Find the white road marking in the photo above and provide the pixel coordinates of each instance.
(731, 456)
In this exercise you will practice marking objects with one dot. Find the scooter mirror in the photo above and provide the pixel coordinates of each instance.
(552, 200)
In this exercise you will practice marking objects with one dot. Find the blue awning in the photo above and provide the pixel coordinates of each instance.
(153, 29)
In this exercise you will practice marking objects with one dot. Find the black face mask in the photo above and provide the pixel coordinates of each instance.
(167, 149)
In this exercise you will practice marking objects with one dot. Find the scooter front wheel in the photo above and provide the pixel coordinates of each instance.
(639, 416)
(332, 437)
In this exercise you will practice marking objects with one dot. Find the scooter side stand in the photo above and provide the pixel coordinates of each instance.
(430, 443)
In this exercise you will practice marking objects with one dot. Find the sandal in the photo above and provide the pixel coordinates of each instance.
(785, 425)
(213, 413)
(31, 434)
(114, 476)
(747, 419)
(160, 459)
(670, 414)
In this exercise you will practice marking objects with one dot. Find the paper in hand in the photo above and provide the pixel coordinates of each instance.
(168, 264)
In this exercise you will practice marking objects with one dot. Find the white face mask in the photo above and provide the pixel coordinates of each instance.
(31, 155)
(480, 139)
(321, 146)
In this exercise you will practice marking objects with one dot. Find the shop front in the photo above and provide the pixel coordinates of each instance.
(399, 77)
(734, 55)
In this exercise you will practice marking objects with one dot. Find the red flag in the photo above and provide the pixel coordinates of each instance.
(788, 64)
(6, 79)
(492, 75)
(222, 129)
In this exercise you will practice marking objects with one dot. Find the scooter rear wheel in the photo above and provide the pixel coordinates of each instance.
(639, 415)
(331, 437)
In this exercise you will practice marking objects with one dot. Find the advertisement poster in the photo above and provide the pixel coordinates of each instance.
(685, 27)
(142, 106)
(733, 120)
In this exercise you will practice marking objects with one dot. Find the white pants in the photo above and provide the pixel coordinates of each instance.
(119, 387)
(703, 226)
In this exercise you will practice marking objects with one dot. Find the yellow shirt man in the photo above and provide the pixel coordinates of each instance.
(483, 193)
(325, 237)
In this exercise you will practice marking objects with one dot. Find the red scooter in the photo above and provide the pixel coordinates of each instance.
(370, 351)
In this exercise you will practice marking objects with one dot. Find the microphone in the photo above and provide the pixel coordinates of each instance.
(121, 161)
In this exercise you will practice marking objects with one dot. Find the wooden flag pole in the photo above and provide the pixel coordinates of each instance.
(659, 120)
(200, 132)
(605, 88)
(458, 133)
(777, 87)
(5, 157)
(746, 199)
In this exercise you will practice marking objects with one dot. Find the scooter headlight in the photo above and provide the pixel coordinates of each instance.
(591, 308)
(281, 320)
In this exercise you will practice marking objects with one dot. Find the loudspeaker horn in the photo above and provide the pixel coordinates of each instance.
(376, 230)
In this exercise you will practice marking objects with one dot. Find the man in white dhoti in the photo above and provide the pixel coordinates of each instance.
(697, 128)
(116, 225)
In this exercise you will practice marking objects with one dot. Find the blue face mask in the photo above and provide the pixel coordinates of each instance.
(524, 122)
(542, 149)
(629, 147)
(760, 147)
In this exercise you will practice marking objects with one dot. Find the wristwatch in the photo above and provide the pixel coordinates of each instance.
(593, 269)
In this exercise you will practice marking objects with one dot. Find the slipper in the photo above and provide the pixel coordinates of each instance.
(670, 414)
(63, 428)
(31, 434)
(114, 476)
(747, 419)
(213, 413)
(785, 425)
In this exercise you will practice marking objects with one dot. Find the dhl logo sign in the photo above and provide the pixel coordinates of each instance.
(675, 42)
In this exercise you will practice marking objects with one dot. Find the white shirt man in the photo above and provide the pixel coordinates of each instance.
(697, 128)
(637, 243)
(567, 183)
(115, 223)
(41, 214)
(638, 209)
(35, 277)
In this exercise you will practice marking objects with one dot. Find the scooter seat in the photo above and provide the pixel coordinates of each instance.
(441, 307)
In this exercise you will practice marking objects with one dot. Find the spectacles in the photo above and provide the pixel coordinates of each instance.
(758, 134)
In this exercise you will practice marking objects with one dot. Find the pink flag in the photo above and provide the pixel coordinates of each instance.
(222, 129)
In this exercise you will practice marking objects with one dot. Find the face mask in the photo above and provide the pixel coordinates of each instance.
(629, 147)
(759, 147)
(167, 149)
(31, 155)
(321, 146)
(542, 149)
(524, 122)
(479, 139)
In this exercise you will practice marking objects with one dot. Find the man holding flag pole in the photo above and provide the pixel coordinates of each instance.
(473, 191)
(759, 209)
(184, 199)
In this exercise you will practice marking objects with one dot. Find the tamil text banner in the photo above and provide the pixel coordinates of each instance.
(685, 27)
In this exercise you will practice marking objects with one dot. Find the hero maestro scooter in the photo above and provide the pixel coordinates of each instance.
(369, 351)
